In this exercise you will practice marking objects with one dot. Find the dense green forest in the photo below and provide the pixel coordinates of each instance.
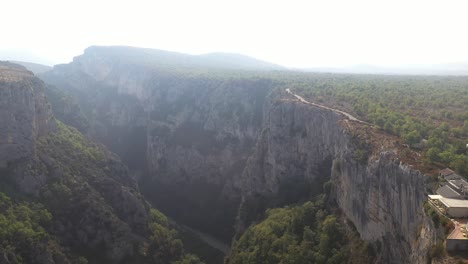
(429, 113)
(308, 233)
(80, 213)
(23, 231)
(24, 235)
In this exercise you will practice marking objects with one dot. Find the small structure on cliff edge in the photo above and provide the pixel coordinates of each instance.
(451, 198)
(449, 174)
(457, 239)
(446, 172)
(455, 188)
(456, 208)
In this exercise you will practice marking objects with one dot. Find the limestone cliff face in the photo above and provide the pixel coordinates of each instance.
(384, 200)
(199, 138)
(25, 116)
(296, 142)
(303, 146)
(25, 113)
(189, 136)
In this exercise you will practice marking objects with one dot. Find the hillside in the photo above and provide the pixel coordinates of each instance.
(63, 198)
(34, 67)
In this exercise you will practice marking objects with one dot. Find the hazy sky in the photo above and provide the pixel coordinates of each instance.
(291, 33)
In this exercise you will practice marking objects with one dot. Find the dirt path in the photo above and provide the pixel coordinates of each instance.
(347, 115)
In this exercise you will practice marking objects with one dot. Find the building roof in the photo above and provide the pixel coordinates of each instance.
(452, 203)
(446, 172)
(447, 192)
(460, 183)
(452, 176)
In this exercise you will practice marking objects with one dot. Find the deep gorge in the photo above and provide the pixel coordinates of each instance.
(212, 146)
(211, 149)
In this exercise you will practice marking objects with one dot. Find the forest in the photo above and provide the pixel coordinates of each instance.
(300, 234)
(75, 217)
(429, 113)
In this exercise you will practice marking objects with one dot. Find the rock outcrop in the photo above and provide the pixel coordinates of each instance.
(25, 116)
(302, 146)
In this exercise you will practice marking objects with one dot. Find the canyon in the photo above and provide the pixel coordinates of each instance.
(214, 148)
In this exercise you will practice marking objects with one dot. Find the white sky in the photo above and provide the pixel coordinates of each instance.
(291, 33)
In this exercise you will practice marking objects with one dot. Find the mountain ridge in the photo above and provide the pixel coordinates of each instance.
(36, 68)
(157, 57)
(238, 61)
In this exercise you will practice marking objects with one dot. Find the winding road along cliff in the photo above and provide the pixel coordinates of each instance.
(347, 115)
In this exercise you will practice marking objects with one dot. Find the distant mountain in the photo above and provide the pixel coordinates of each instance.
(436, 69)
(34, 67)
(22, 55)
(161, 58)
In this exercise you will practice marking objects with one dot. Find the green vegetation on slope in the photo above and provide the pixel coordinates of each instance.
(411, 107)
(68, 143)
(300, 234)
(80, 157)
(22, 232)
(87, 211)
(65, 108)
